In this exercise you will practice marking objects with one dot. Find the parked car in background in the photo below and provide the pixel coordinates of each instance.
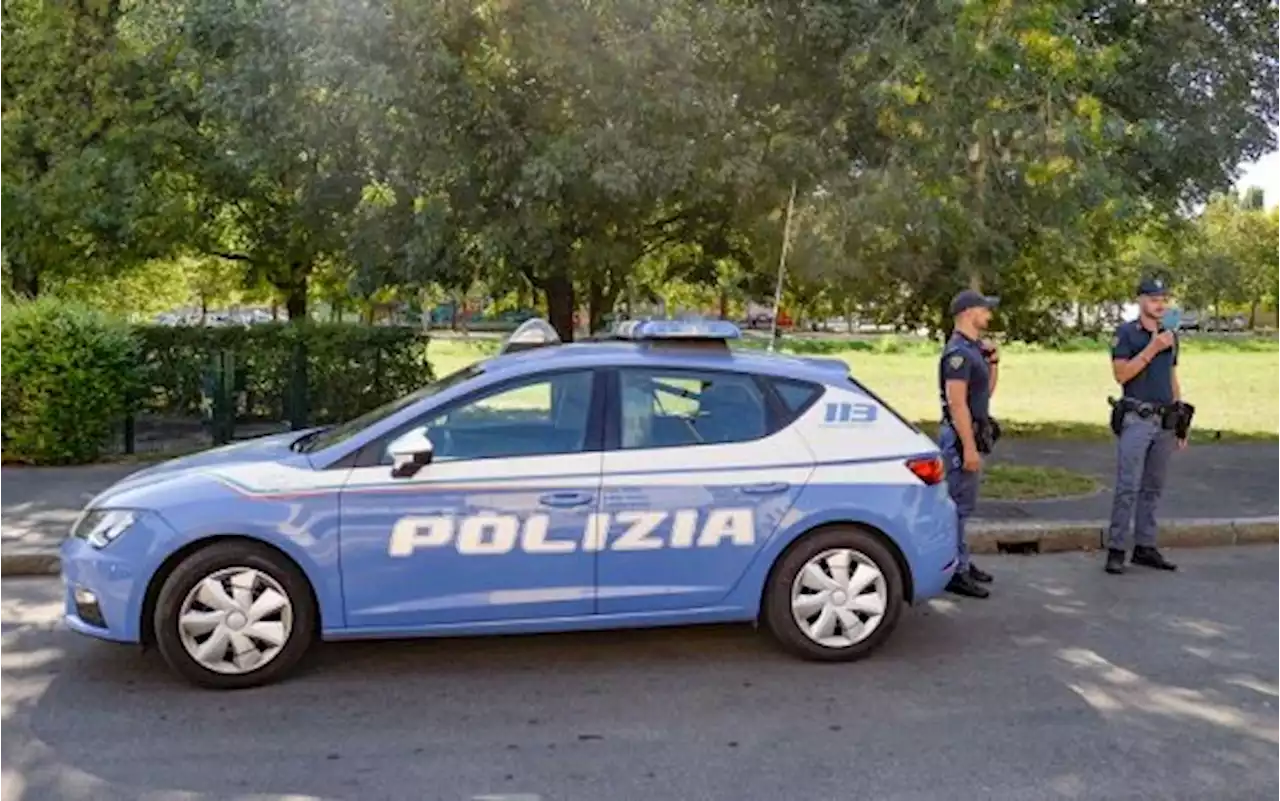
(1227, 323)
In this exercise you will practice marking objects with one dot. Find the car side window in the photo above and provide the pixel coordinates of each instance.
(544, 416)
(796, 396)
(676, 408)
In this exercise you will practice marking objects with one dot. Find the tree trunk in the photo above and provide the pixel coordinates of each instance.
(560, 305)
(25, 281)
(595, 306)
(295, 303)
(1253, 315)
(948, 322)
(724, 303)
(204, 307)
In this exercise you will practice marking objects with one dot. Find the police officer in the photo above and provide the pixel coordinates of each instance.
(1144, 361)
(967, 377)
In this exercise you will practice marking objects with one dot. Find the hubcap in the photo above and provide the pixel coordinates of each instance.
(235, 620)
(839, 598)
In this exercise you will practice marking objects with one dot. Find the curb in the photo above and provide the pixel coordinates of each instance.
(1088, 535)
(984, 538)
(30, 563)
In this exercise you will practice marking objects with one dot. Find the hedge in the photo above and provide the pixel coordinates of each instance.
(349, 369)
(73, 376)
(69, 376)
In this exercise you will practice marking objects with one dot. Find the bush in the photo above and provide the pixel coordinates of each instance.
(349, 369)
(69, 375)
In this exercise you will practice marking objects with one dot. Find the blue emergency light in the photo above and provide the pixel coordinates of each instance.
(706, 330)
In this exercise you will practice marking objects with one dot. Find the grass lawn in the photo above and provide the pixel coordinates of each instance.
(1066, 393)
(1012, 482)
(1042, 393)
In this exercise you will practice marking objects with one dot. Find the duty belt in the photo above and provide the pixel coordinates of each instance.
(1176, 416)
(1145, 409)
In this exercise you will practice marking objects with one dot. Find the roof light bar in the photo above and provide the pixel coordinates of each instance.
(676, 329)
(532, 333)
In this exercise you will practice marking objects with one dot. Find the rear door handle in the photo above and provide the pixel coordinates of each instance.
(765, 489)
(565, 500)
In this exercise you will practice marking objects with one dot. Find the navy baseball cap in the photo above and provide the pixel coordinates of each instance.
(1153, 286)
(972, 299)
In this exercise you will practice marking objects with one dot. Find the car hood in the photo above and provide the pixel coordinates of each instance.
(135, 490)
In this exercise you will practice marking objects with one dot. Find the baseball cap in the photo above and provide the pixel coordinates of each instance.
(1153, 286)
(972, 299)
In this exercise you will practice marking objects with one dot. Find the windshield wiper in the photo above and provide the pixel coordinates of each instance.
(302, 443)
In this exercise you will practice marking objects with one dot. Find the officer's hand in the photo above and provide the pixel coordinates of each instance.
(972, 461)
(1182, 444)
(1163, 341)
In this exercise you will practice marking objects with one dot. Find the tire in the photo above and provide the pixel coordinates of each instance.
(250, 625)
(864, 551)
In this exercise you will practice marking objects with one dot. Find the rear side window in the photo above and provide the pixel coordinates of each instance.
(796, 397)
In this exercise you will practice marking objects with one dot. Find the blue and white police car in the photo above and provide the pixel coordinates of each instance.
(657, 478)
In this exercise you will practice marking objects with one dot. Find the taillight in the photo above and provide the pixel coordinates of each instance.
(928, 469)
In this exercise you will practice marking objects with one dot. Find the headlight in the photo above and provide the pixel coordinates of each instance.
(99, 527)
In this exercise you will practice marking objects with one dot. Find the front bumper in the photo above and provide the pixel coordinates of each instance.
(103, 588)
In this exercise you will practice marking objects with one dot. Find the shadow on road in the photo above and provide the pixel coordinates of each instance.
(1066, 684)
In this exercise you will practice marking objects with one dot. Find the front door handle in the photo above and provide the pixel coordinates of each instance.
(566, 500)
(765, 489)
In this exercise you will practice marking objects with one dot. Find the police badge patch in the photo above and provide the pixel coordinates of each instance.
(955, 361)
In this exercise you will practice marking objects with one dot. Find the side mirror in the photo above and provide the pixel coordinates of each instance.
(410, 452)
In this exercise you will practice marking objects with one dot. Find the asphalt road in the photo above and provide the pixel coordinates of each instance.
(1068, 684)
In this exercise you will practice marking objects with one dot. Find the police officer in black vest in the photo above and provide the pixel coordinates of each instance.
(966, 380)
(1150, 420)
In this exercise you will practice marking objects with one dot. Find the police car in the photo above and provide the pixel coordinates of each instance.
(657, 478)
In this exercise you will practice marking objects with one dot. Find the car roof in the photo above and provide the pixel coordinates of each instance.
(666, 354)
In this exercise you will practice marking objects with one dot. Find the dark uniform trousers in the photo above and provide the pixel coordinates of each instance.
(1144, 451)
(962, 485)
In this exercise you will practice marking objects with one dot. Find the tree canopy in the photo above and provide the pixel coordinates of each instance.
(589, 150)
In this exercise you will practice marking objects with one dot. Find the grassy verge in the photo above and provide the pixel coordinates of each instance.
(1050, 394)
(1011, 482)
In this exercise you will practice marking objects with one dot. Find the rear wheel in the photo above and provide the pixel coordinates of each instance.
(835, 596)
(233, 615)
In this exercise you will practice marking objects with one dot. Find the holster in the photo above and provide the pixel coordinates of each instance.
(1117, 416)
(1177, 416)
(986, 433)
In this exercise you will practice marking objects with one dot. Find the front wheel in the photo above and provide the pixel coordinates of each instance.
(836, 596)
(234, 615)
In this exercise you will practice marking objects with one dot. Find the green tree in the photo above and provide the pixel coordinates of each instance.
(288, 104)
(90, 123)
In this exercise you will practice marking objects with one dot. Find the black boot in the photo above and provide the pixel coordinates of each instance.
(1147, 556)
(980, 576)
(962, 584)
(1115, 561)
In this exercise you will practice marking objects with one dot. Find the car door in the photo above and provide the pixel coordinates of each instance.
(697, 475)
(491, 529)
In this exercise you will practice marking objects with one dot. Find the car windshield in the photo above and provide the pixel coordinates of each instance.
(333, 435)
